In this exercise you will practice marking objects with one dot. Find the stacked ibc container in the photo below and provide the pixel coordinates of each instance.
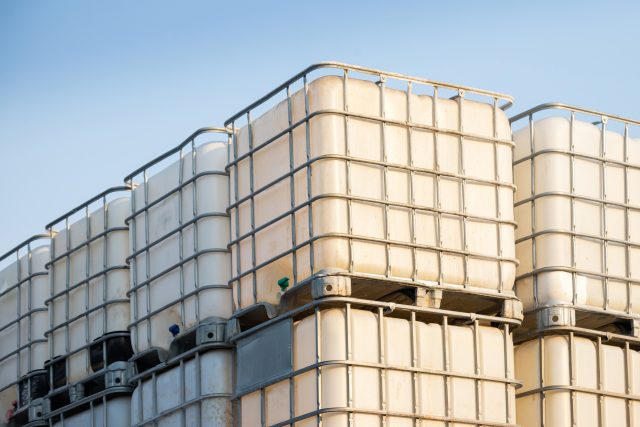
(578, 242)
(372, 253)
(180, 294)
(89, 343)
(23, 322)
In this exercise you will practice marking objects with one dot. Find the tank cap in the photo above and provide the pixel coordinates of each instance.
(174, 329)
(283, 283)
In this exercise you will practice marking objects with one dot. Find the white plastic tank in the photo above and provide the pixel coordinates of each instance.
(24, 287)
(377, 179)
(192, 392)
(179, 259)
(578, 209)
(570, 380)
(104, 412)
(345, 366)
(89, 280)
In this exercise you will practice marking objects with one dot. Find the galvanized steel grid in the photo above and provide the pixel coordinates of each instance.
(101, 200)
(382, 309)
(346, 70)
(190, 144)
(602, 119)
(21, 250)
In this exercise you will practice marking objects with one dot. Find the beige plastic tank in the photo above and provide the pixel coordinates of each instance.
(24, 287)
(371, 196)
(578, 211)
(89, 279)
(577, 381)
(179, 236)
(346, 366)
(196, 390)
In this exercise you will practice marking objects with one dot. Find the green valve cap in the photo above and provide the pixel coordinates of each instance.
(283, 283)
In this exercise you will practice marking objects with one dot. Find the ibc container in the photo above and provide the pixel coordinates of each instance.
(577, 377)
(191, 390)
(340, 361)
(179, 236)
(578, 213)
(375, 177)
(23, 322)
(105, 412)
(89, 278)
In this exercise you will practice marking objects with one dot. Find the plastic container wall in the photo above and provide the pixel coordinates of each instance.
(24, 287)
(112, 412)
(89, 280)
(192, 392)
(180, 265)
(380, 176)
(573, 380)
(344, 366)
(578, 210)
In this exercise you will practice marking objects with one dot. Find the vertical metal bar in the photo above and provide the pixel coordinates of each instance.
(318, 370)
(236, 212)
(87, 291)
(532, 170)
(415, 405)
(345, 98)
(181, 237)
(292, 388)
(292, 189)
(182, 391)
(603, 206)
(382, 360)
(67, 301)
(477, 371)
(147, 254)
(194, 213)
(572, 379)
(385, 176)
(254, 274)
(463, 181)
(572, 184)
(508, 357)
(412, 196)
(497, 178)
(348, 335)
(438, 201)
(133, 272)
(448, 410)
(105, 277)
(600, 377)
(307, 125)
(198, 368)
(627, 230)
(541, 376)
(627, 384)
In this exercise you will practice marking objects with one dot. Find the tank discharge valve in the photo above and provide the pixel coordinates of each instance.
(174, 329)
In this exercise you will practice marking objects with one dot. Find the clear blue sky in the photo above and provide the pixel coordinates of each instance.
(91, 90)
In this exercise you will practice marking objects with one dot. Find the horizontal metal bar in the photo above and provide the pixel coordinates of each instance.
(607, 337)
(380, 240)
(330, 302)
(86, 204)
(152, 420)
(176, 149)
(395, 166)
(23, 347)
(561, 106)
(569, 388)
(368, 200)
(377, 119)
(578, 197)
(601, 238)
(98, 341)
(22, 316)
(388, 413)
(86, 313)
(176, 265)
(22, 282)
(564, 269)
(85, 281)
(174, 231)
(194, 292)
(173, 191)
(20, 245)
(410, 369)
(85, 243)
(371, 71)
(578, 155)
